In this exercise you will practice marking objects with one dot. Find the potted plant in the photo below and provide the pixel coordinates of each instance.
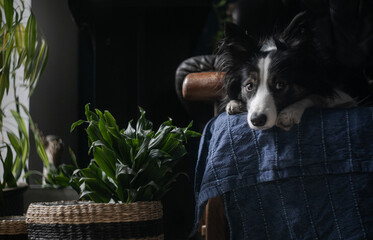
(22, 60)
(130, 172)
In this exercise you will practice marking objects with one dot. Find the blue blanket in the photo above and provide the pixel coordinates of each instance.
(312, 182)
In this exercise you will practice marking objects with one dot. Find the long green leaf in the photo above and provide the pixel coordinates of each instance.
(130, 132)
(94, 133)
(160, 137)
(39, 65)
(91, 116)
(142, 124)
(110, 120)
(95, 144)
(87, 192)
(141, 154)
(8, 177)
(9, 12)
(123, 179)
(20, 123)
(31, 35)
(15, 142)
(42, 154)
(170, 144)
(178, 152)
(75, 124)
(73, 158)
(40, 146)
(106, 160)
(33, 172)
(99, 188)
(123, 151)
(20, 38)
(24, 139)
(124, 174)
(4, 84)
(8, 162)
(38, 140)
(104, 131)
(9, 46)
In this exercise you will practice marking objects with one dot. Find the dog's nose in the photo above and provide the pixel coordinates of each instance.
(258, 120)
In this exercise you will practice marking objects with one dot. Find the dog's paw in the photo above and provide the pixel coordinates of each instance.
(234, 107)
(289, 116)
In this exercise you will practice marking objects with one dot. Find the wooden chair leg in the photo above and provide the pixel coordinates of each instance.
(214, 224)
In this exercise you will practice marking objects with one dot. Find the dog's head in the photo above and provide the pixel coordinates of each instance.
(267, 75)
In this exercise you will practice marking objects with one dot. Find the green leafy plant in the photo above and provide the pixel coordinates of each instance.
(132, 164)
(55, 177)
(20, 50)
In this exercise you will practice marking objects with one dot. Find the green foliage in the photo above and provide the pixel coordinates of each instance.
(14, 154)
(132, 164)
(57, 177)
(15, 163)
(20, 48)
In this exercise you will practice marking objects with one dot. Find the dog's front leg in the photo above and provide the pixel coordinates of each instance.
(292, 114)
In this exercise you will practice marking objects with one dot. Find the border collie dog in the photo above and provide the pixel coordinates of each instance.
(276, 78)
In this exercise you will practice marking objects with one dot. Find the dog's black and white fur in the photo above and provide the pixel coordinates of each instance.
(275, 79)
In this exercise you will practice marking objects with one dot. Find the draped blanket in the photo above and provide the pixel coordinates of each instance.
(312, 182)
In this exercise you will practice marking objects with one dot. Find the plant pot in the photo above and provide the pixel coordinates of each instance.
(87, 220)
(13, 227)
(13, 201)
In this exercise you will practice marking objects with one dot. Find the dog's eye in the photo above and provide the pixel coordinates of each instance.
(249, 87)
(280, 85)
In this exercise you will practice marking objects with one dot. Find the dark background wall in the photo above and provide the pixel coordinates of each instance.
(118, 55)
(54, 104)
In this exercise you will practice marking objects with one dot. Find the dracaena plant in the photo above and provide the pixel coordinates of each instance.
(131, 164)
(20, 51)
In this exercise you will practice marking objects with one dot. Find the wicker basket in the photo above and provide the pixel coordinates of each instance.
(87, 220)
(13, 227)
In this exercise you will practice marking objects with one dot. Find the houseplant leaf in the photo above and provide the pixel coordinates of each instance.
(8, 178)
(9, 12)
(130, 132)
(106, 160)
(75, 124)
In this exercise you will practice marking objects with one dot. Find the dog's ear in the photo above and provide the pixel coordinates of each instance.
(281, 44)
(295, 34)
(234, 51)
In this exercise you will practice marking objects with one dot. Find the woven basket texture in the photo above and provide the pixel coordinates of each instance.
(87, 220)
(13, 227)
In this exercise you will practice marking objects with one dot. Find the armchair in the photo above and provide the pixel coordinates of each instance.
(200, 88)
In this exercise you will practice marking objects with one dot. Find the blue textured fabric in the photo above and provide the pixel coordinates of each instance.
(312, 182)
